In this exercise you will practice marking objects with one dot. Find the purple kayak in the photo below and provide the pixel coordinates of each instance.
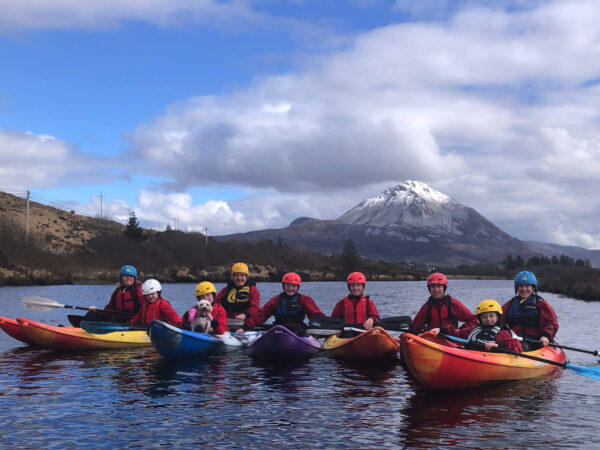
(280, 343)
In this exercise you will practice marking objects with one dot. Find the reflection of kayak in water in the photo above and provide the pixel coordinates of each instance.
(278, 342)
(372, 345)
(173, 342)
(14, 330)
(72, 338)
(443, 365)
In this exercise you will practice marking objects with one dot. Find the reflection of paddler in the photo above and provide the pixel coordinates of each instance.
(440, 420)
(240, 298)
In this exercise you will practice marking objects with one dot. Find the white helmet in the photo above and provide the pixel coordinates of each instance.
(151, 286)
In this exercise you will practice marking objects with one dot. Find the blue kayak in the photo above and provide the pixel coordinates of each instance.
(282, 344)
(174, 343)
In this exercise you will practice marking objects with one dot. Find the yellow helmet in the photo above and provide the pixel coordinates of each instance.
(239, 268)
(205, 287)
(488, 305)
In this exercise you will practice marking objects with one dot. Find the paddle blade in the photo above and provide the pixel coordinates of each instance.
(324, 322)
(39, 303)
(591, 372)
(102, 327)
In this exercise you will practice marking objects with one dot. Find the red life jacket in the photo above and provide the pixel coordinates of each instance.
(355, 314)
(128, 299)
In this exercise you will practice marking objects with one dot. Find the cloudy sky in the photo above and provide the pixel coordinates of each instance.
(245, 114)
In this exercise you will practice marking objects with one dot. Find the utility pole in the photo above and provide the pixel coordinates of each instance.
(101, 205)
(206, 235)
(27, 218)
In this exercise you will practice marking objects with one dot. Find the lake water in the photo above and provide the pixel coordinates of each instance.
(135, 398)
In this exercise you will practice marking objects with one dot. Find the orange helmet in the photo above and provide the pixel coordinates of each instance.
(356, 277)
(437, 278)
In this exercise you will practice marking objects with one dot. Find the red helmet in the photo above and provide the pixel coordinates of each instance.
(292, 278)
(356, 277)
(437, 278)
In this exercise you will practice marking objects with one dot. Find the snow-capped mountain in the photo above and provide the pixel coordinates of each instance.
(411, 223)
(410, 204)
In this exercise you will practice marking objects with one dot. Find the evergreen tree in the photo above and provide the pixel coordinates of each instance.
(508, 262)
(350, 257)
(133, 230)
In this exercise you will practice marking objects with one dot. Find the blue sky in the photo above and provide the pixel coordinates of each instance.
(240, 115)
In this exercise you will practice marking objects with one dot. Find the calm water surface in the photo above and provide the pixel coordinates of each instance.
(135, 398)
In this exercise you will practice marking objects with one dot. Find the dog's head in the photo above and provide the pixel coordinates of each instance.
(204, 307)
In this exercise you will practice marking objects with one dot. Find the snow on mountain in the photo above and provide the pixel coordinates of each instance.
(411, 204)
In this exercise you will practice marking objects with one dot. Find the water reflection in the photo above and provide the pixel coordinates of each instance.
(447, 418)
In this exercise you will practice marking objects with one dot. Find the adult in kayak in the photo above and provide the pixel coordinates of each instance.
(240, 298)
(489, 334)
(528, 314)
(356, 307)
(154, 306)
(289, 307)
(126, 298)
(216, 315)
(442, 312)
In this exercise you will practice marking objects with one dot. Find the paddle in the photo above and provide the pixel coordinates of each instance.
(45, 304)
(552, 344)
(591, 372)
(110, 327)
(326, 326)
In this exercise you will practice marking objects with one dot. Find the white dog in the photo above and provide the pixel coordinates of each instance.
(201, 323)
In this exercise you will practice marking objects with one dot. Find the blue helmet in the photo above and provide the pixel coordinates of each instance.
(128, 270)
(525, 277)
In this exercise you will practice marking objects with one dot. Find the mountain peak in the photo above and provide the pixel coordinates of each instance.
(411, 203)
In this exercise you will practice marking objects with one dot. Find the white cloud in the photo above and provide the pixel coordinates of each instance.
(503, 100)
(66, 14)
(28, 159)
(494, 106)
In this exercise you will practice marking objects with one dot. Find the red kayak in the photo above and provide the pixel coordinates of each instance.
(442, 365)
(372, 345)
(14, 330)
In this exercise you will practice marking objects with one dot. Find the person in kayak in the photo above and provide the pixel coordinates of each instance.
(240, 298)
(289, 307)
(192, 318)
(489, 334)
(529, 315)
(356, 307)
(154, 306)
(126, 298)
(442, 312)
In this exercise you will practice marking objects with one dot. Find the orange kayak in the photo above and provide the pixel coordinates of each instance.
(72, 338)
(371, 345)
(442, 365)
(14, 330)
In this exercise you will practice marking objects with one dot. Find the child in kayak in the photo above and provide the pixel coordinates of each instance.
(192, 319)
(488, 334)
(290, 307)
(126, 298)
(441, 312)
(356, 307)
(154, 306)
(529, 315)
(240, 298)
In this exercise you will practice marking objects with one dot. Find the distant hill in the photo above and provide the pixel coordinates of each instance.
(593, 256)
(411, 223)
(64, 247)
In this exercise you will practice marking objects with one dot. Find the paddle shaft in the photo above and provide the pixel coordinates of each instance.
(552, 344)
(99, 310)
